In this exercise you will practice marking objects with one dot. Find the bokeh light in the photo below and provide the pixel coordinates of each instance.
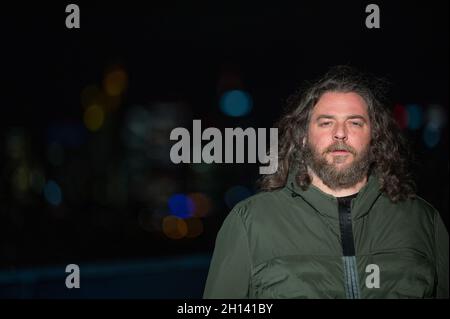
(415, 116)
(94, 117)
(436, 116)
(52, 193)
(401, 116)
(174, 227)
(115, 82)
(431, 136)
(236, 103)
(236, 194)
(181, 205)
(194, 227)
(201, 204)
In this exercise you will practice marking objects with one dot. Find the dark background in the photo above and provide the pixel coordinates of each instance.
(98, 198)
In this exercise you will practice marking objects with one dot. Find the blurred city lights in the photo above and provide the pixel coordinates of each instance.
(194, 227)
(181, 205)
(415, 116)
(236, 194)
(236, 103)
(137, 121)
(52, 193)
(174, 227)
(431, 136)
(55, 154)
(401, 116)
(146, 130)
(436, 116)
(93, 117)
(201, 204)
(115, 82)
(436, 119)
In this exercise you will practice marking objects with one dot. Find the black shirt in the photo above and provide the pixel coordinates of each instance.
(345, 223)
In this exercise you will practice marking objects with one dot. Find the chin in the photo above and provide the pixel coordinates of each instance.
(343, 165)
(348, 160)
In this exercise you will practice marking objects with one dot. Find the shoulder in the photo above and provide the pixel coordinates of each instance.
(416, 208)
(262, 205)
(420, 205)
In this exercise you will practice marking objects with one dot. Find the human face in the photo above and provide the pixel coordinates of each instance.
(339, 129)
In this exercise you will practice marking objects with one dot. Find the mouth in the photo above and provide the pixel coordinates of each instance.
(340, 152)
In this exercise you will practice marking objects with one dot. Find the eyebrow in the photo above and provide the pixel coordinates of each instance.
(350, 117)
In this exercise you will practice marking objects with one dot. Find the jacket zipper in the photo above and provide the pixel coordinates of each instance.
(348, 249)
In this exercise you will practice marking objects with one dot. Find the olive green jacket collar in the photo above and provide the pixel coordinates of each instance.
(327, 205)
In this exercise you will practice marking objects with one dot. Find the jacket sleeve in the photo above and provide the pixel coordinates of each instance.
(229, 271)
(441, 251)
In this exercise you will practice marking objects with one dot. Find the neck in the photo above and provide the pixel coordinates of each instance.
(316, 181)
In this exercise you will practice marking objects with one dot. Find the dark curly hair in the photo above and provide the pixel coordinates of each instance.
(388, 149)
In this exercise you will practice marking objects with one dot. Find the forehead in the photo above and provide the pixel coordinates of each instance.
(340, 104)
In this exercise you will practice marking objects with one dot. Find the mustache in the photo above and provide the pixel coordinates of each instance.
(340, 147)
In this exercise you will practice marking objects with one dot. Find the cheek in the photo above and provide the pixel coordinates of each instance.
(361, 140)
(320, 140)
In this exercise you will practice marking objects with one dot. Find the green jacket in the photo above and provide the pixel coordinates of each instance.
(287, 244)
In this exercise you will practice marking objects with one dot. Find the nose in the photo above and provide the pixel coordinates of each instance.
(340, 132)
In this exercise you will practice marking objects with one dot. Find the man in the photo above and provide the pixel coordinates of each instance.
(339, 219)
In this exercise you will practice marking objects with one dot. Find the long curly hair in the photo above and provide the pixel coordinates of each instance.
(388, 149)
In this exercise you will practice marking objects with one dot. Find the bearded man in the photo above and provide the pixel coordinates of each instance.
(340, 217)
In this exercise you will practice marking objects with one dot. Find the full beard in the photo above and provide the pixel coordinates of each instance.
(338, 178)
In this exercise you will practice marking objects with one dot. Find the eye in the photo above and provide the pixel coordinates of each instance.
(354, 123)
(324, 124)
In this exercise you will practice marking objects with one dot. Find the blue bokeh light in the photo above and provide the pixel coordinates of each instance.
(431, 136)
(52, 193)
(181, 205)
(415, 116)
(236, 103)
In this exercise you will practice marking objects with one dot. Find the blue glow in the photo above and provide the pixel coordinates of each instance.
(236, 194)
(236, 103)
(181, 205)
(52, 193)
(431, 136)
(415, 116)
